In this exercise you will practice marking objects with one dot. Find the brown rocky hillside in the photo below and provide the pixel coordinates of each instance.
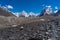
(4, 12)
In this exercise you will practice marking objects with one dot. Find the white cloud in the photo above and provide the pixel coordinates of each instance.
(56, 7)
(9, 7)
(55, 11)
(48, 6)
(6, 7)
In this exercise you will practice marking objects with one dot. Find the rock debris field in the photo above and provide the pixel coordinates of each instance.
(37, 30)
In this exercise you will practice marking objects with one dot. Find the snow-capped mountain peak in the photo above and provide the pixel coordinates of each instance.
(23, 13)
(48, 10)
(31, 14)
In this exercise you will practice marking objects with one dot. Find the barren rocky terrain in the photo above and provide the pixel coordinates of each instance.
(13, 28)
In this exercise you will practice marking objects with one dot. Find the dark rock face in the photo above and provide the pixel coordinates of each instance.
(46, 11)
(38, 30)
(57, 13)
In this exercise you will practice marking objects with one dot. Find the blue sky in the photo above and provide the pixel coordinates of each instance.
(35, 6)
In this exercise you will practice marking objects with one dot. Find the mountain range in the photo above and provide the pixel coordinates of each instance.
(25, 14)
(47, 11)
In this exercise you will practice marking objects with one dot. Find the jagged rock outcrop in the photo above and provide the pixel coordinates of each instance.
(57, 13)
(46, 11)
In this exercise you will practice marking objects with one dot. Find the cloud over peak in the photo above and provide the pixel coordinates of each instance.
(55, 11)
(9, 7)
(6, 7)
(48, 6)
(56, 7)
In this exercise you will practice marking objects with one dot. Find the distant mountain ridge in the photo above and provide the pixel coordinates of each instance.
(47, 11)
(25, 14)
(4, 12)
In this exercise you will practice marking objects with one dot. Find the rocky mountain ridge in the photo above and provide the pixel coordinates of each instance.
(4, 12)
